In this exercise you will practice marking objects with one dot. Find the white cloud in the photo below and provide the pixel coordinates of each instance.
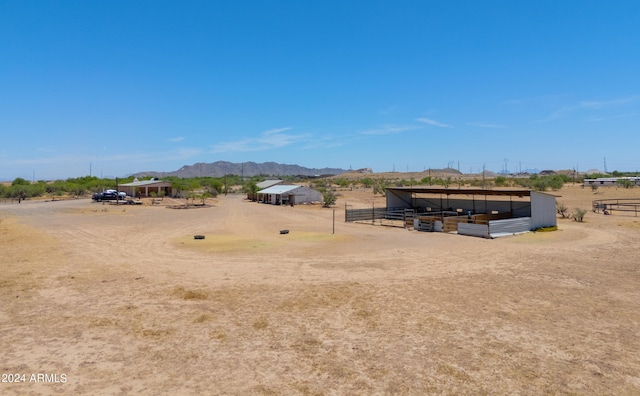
(612, 117)
(607, 103)
(433, 122)
(389, 130)
(484, 125)
(176, 139)
(275, 131)
(270, 139)
(590, 105)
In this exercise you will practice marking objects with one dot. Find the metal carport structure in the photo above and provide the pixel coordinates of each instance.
(514, 203)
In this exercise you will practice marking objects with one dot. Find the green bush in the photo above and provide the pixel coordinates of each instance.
(329, 197)
(578, 215)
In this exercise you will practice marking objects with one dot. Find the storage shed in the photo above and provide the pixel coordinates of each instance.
(284, 194)
(479, 212)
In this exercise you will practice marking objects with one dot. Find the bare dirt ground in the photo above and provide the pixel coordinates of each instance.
(123, 300)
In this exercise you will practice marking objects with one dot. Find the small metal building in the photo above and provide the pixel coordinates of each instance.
(283, 194)
(479, 212)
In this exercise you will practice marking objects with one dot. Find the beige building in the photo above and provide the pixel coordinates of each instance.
(147, 188)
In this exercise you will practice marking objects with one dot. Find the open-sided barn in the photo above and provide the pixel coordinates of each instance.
(478, 212)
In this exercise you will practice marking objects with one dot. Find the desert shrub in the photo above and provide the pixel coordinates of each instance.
(380, 187)
(367, 182)
(578, 215)
(250, 187)
(543, 183)
(446, 182)
(18, 181)
(329, 197)
(320, 183)
(625, 183)
(342, 182)
(501, 181)
(562, 210)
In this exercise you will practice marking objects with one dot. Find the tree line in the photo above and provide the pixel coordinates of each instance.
(87, 185)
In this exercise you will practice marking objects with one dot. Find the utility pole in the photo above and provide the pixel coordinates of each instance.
(483, 185)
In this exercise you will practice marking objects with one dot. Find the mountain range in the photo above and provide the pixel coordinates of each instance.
(221, 168)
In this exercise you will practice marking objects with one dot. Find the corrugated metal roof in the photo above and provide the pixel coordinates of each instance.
(279, 189)
(461, 191)
(144, 183)
(268, 183)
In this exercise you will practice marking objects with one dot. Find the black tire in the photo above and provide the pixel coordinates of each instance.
(198, 237)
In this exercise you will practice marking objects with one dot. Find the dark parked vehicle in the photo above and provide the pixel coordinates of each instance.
(108, 196)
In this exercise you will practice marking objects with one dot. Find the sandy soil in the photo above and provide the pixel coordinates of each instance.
(123, 300)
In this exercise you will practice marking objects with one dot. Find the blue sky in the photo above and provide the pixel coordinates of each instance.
(118, 87)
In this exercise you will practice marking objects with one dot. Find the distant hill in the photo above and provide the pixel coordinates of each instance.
(221, 168)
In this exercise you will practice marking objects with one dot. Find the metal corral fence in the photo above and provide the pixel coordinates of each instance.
(403, 217)
(398, 217)
(608, 206)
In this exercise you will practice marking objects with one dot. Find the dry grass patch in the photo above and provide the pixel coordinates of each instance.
(203, 318)
(157, 333)
(453, 372)
(635, 224)
(102, 322)
(223, 243)
(29, 255)
(185, 294)
(218, 335)
(261, 324)
(316, 236)
(324, 296)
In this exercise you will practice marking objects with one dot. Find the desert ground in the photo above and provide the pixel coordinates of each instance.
(123, 300)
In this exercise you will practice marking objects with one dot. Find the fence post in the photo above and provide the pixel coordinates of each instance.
(334, 222)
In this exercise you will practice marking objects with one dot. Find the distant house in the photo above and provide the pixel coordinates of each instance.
(547, 173)
(283, 194)
(146, 188)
